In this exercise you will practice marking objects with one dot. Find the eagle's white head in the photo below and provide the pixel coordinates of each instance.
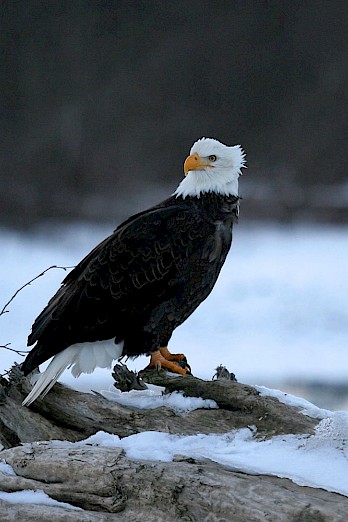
(211, 167)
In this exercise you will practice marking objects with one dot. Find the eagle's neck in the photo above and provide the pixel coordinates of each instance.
(197, 183)
(187, 188)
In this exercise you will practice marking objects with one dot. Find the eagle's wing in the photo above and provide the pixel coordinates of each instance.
(142, 260)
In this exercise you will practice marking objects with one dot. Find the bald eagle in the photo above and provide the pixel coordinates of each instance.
(128, 295)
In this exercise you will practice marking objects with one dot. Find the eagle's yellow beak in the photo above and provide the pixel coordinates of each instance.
(194, 162)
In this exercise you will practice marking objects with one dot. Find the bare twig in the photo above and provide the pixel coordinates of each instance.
(5, 374)
(6, 346)
(4, 310)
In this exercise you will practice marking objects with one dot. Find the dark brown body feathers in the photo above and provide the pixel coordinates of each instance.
(141, 282)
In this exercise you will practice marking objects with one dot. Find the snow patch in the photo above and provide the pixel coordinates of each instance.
(307, 408)
(30, 496)
(319, 460)
(6, 469)
(154, 398)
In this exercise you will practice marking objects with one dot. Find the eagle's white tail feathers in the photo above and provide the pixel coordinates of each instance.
(48, 378)
(93, 355)
(82, 358)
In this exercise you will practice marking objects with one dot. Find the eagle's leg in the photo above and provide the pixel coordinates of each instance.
(158, 361)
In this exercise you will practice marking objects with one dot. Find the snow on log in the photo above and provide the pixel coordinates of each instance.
(105, 483)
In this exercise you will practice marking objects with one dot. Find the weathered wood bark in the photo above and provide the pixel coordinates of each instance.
(103, 480)
(108, 486)
(247, 406)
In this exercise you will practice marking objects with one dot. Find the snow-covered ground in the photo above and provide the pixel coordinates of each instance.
(279, 310)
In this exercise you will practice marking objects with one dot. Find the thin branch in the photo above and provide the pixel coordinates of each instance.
(4, 310)
(6, 346)
(5, 374)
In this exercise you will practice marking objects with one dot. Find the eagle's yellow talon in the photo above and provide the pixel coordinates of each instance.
(158, 361)
(172, 356)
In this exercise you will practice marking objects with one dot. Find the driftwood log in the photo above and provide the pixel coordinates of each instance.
(108, 486)
(66, 414)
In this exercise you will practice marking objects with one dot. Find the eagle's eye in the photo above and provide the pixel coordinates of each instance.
(212, 157)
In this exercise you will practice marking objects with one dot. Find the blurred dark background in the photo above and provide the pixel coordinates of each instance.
(102, 100)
